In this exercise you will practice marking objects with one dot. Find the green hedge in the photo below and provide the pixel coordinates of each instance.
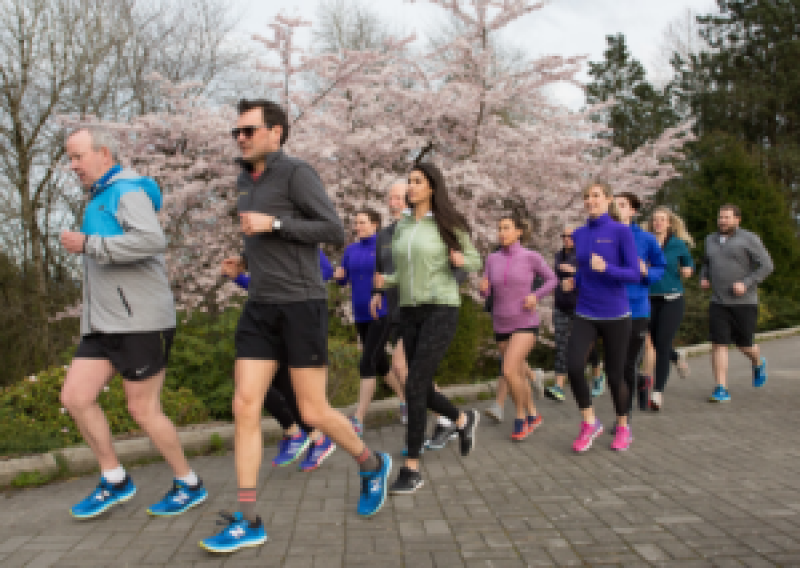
(32, 419)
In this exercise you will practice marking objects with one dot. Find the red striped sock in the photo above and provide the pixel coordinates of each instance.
(247, 503)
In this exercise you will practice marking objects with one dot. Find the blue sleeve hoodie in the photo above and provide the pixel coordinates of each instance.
(125, 283)
(648, 249)
(359, 264)
(602, 295)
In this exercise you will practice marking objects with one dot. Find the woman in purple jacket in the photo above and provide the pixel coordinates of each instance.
(509, 275)
(358, 269)
(607, 261)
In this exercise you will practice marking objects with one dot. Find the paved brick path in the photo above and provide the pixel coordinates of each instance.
(703, 485)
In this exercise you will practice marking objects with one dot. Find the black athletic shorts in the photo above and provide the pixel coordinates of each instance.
(732, 324)
(295, 334)
(501, 337)
(135, 356)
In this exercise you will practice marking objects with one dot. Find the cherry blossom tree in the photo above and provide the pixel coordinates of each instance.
(362, 118)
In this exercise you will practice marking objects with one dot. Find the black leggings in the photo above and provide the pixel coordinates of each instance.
(616, 334)
(374, 361)
(426, 332)
(665, 319)
(635, 352)
(281, 401)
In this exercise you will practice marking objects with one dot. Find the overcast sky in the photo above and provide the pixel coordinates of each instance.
(563, 27)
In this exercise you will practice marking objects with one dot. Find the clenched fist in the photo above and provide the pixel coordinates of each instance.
(232, 266)
(73, 242)
(598, 263)
(256, 223)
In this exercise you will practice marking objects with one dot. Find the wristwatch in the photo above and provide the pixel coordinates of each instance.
(276, 224)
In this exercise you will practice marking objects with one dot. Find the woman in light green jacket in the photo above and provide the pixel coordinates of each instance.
(429, 242)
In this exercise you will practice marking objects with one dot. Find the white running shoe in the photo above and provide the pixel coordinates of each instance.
(494, 412)
(683, 364)
(538, 384)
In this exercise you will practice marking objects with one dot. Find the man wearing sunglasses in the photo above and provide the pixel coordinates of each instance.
(285, 214)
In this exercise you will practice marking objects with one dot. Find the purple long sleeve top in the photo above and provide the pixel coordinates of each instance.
(511, 272)
(603, 295)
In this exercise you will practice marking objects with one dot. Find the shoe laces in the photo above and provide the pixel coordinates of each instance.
(229, 518)
(587, 429)
(174, 491)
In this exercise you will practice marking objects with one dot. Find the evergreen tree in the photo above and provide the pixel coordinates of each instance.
(721, 171)
(747, 84)
(640, 111)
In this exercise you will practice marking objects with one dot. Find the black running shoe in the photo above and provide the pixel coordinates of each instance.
(407, 482)
(441, 435)
(467, 433)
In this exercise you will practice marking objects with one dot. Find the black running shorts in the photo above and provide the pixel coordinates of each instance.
(732, 324)
(295, 334)
(501, 337)
(135, 356)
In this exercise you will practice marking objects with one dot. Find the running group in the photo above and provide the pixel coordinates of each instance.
(613, 282)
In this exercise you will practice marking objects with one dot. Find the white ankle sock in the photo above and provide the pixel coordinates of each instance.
(445, 421)
(114, 476)
(190, 479)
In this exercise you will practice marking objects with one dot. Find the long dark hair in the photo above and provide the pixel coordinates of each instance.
(448, 219)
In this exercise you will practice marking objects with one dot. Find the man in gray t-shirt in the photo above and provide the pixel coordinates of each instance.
(735, 263)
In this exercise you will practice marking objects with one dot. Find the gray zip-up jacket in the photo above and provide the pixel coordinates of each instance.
(384, 263)
(284, 264)
(125, 284)
(741, 258)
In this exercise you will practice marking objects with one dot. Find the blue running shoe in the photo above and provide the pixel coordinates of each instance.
(555, 392)
(179, 499)
(374, 487)
(105, 496)
(760, 374)
(317, 454)
(239, 534)
(598, 385)
(357, 426)
(720, 394)
(290, 448)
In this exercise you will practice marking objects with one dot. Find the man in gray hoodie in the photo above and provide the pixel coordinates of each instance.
(285, 215)
(735, 263)
(127, 322)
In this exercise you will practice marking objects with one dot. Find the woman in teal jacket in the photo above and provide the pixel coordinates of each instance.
(428, 244)
(666, 297)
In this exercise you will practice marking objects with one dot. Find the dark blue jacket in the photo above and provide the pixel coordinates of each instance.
(649, 251)
(602, 295)
(243, 280)
(359, 264)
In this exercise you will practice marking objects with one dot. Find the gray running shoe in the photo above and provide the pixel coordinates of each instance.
(494, 412)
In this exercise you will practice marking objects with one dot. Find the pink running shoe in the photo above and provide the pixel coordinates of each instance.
(588, 433)
(622, 439)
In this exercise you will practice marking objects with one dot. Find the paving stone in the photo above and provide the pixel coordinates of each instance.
(693, 490)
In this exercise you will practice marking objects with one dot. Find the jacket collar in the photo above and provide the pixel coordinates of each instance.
(410, 213)
(272, 157)
(600, 221)
(370, 240)
(100, 185)
(513, 249)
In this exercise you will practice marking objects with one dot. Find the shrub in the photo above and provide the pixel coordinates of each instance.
(32, 419)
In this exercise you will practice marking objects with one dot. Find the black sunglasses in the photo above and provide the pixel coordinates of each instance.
(566, 236)
(248, 131)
